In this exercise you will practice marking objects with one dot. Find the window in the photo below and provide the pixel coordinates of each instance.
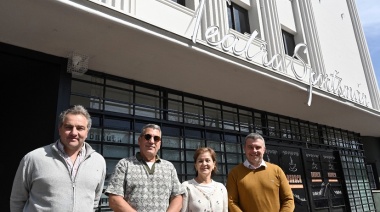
(372, 176)
(120, 107)
(181, 2)
(238, 18)
(289, 43)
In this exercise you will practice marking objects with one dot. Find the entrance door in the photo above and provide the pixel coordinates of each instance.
(324, 180)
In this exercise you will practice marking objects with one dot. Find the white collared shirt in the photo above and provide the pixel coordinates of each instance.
(250, 166)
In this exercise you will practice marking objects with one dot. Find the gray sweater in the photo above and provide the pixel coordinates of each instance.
(43, 182)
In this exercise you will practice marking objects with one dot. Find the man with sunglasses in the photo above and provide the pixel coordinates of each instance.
(145, 182)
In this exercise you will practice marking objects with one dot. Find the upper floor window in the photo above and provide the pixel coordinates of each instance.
(289, 43)
(238, 18)
(181, 2)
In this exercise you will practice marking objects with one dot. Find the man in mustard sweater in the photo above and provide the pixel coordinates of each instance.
(256, 185)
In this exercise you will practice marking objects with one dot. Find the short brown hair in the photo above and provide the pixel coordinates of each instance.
(202, 150)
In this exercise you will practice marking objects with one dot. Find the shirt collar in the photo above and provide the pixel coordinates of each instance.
(140, 158)
(250, 166)
(61, 148)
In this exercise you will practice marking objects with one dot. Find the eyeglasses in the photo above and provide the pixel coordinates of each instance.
(156, 138)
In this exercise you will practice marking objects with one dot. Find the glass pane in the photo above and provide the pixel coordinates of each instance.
(118, 107)
(96, 147)
(174, 142)
(110, 164)
(190, 168)
(117, 136)
(193, 114)
(194, 143)
(216, 145)
(230, 121)
(221, 169)
(95, 134)
(171, 155)
(117, 123)
(234, 158)
(231, 138)
(231, 147)
(213, 117)
(178, 167)
(149, 106)
(175, 111)
(86, 94)
(190, 155)
(117, 151)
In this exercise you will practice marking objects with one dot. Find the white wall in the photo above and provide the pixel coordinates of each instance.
(338, 43)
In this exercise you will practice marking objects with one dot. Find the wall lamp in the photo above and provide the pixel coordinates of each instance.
(77, 63)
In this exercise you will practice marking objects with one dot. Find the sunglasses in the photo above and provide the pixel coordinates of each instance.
(156, 138)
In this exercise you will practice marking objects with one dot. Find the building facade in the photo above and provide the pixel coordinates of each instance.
(208, 72)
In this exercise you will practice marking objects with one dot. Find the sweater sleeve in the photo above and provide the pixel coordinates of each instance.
(232, 191)
(286, 194)
(185, 198)
(20, 192)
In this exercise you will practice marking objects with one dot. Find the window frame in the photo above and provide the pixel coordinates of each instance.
(239, 21)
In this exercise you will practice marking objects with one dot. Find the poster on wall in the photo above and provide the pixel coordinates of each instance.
(290, 160)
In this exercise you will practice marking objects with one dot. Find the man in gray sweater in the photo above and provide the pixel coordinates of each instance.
(67, 175)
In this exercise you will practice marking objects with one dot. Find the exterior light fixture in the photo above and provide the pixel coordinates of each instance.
(77, 63)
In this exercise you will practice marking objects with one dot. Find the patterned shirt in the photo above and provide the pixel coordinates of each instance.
(143, 188)
(73, 167)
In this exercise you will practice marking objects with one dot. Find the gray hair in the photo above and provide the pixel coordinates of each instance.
(254, 136)
(76, 110)
(152, 126)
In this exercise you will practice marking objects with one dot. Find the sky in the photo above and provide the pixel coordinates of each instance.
(369, 13)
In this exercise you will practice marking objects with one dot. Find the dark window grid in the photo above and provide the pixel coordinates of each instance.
(346, 139)
(295, 129)
(172, 130)
(238, 18)
(314, 133)
(323, 133)
(183, 113)
(355, 141)
(193, 113)
(147, 96)
(86, 100)
(125, 89)
(173, 107)
(305, 132)
(249, 122)
(330, 135)
(285, 128)
(230, 120)
(372, 175)
(338, 137)
(246, 124)
(273, 126)
(173, 115)
(213, 117)
(353, 181)
(258, 126)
